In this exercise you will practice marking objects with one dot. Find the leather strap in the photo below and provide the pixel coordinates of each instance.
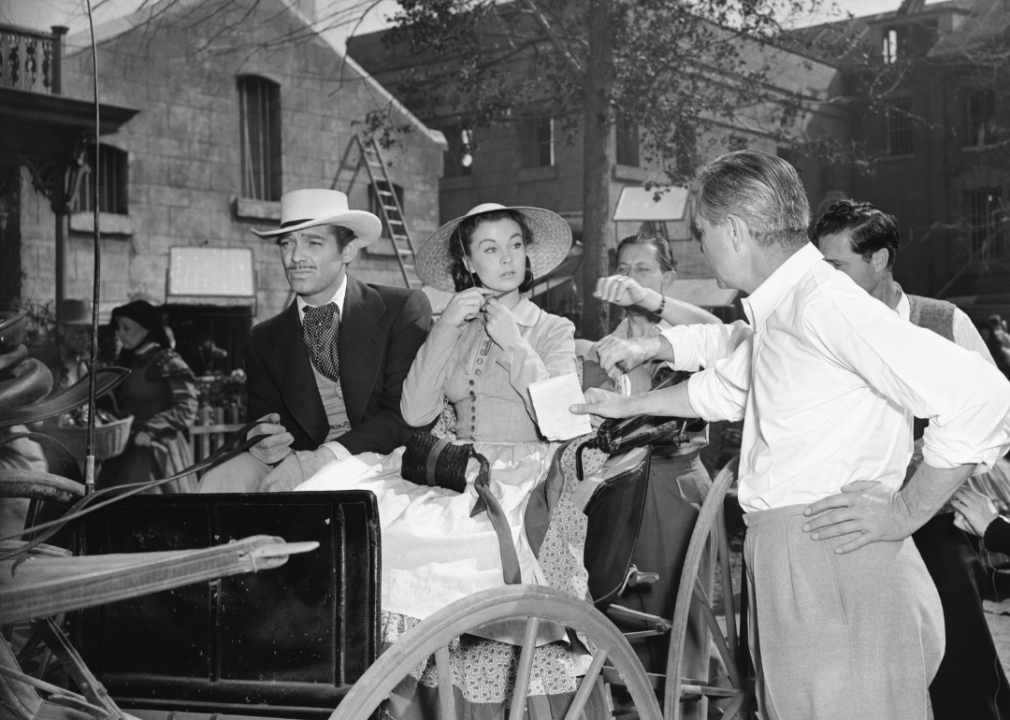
(433, 454)
(487, 502)
(10, 358)
(25, 384)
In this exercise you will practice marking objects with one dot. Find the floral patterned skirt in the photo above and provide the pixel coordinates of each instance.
(483, 671)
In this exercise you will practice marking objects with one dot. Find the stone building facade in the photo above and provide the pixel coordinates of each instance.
(238, 102)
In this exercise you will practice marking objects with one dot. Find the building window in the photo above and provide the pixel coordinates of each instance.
(375, 207)
(459, 156)
(627, 143)
(111, 167)
(538, 142)
(891, 48)
(980, 126)
(987, 223)
(899, 126)
(260, 135)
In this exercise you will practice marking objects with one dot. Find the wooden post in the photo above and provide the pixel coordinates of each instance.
(58, 32)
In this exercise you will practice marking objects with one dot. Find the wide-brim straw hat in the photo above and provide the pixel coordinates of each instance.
(551, 241)
(301, 209)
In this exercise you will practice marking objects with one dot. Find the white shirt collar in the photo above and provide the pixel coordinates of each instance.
(763, 301)
(338, 298)
(904, 307)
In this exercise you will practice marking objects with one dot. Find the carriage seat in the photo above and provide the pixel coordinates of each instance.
(285, 643)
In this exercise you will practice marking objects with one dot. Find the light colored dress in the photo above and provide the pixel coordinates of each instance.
(433, 551)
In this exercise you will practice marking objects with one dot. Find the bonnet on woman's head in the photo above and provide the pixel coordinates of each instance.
(548, 238)
(147, 316)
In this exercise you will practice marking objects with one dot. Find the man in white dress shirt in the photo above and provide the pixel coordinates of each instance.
(827, 383)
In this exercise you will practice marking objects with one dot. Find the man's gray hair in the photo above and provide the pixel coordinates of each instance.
(762, 190)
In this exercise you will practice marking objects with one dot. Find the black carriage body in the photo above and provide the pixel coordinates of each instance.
(285, 642)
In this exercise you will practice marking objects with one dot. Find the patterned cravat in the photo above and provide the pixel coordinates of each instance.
(321, 332)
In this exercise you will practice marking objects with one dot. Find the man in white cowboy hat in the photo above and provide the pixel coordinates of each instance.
(326, 374)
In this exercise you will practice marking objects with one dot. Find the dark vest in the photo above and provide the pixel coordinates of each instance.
(935, 315)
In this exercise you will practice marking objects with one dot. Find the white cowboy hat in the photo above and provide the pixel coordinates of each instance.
(302, 209)
(551, 241)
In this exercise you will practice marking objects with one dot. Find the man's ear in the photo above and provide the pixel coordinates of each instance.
(350, 251)
(738, 229)
(669, 276)
(879, 260)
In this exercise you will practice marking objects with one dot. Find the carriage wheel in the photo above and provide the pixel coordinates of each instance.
(731, 693)
(533, 602)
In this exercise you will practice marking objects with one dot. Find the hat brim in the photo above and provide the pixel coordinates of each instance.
(552, 239)
(365, 225)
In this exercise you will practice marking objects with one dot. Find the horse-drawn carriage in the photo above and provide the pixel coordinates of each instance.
(303, 638)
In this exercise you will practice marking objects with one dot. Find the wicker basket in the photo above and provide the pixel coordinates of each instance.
(110, 438)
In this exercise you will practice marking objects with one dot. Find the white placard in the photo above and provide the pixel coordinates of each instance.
(211, 271)
(551, 399)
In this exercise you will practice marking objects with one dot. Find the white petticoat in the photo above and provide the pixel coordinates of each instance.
(433, 552)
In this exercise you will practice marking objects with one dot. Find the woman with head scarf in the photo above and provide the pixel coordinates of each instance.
(161, 395)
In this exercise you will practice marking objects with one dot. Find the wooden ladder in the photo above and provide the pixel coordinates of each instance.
(389, 205)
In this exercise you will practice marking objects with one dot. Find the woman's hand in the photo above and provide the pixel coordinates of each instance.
(464, 306)
(622, 290)
(142, 439)
(973, 511)
(501, 324)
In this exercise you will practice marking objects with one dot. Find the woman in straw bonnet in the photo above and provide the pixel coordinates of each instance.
(482, 354)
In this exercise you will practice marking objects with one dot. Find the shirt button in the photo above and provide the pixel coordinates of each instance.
(476, 372)
(473, 428)
(480, 361)
(473, 394)
(471, 383)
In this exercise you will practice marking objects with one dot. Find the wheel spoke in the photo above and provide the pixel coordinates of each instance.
(586, 687)
(720, 641)
(522, 684)
(734, 707)
(727, 584)
(446, 695)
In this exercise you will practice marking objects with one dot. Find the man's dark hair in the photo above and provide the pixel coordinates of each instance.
(872, 229)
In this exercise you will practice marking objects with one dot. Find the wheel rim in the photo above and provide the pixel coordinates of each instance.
(432, 636)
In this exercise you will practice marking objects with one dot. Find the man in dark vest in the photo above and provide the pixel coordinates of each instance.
(326, 374)
(862, 242)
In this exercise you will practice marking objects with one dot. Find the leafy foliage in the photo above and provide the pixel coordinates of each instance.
(679, 67)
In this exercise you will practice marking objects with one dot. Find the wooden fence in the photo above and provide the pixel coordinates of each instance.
(214, 426)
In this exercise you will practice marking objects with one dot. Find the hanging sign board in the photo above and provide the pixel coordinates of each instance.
(210, 273)
(638, 204)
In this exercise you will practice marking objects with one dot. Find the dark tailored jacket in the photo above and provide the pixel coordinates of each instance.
(381, 329)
